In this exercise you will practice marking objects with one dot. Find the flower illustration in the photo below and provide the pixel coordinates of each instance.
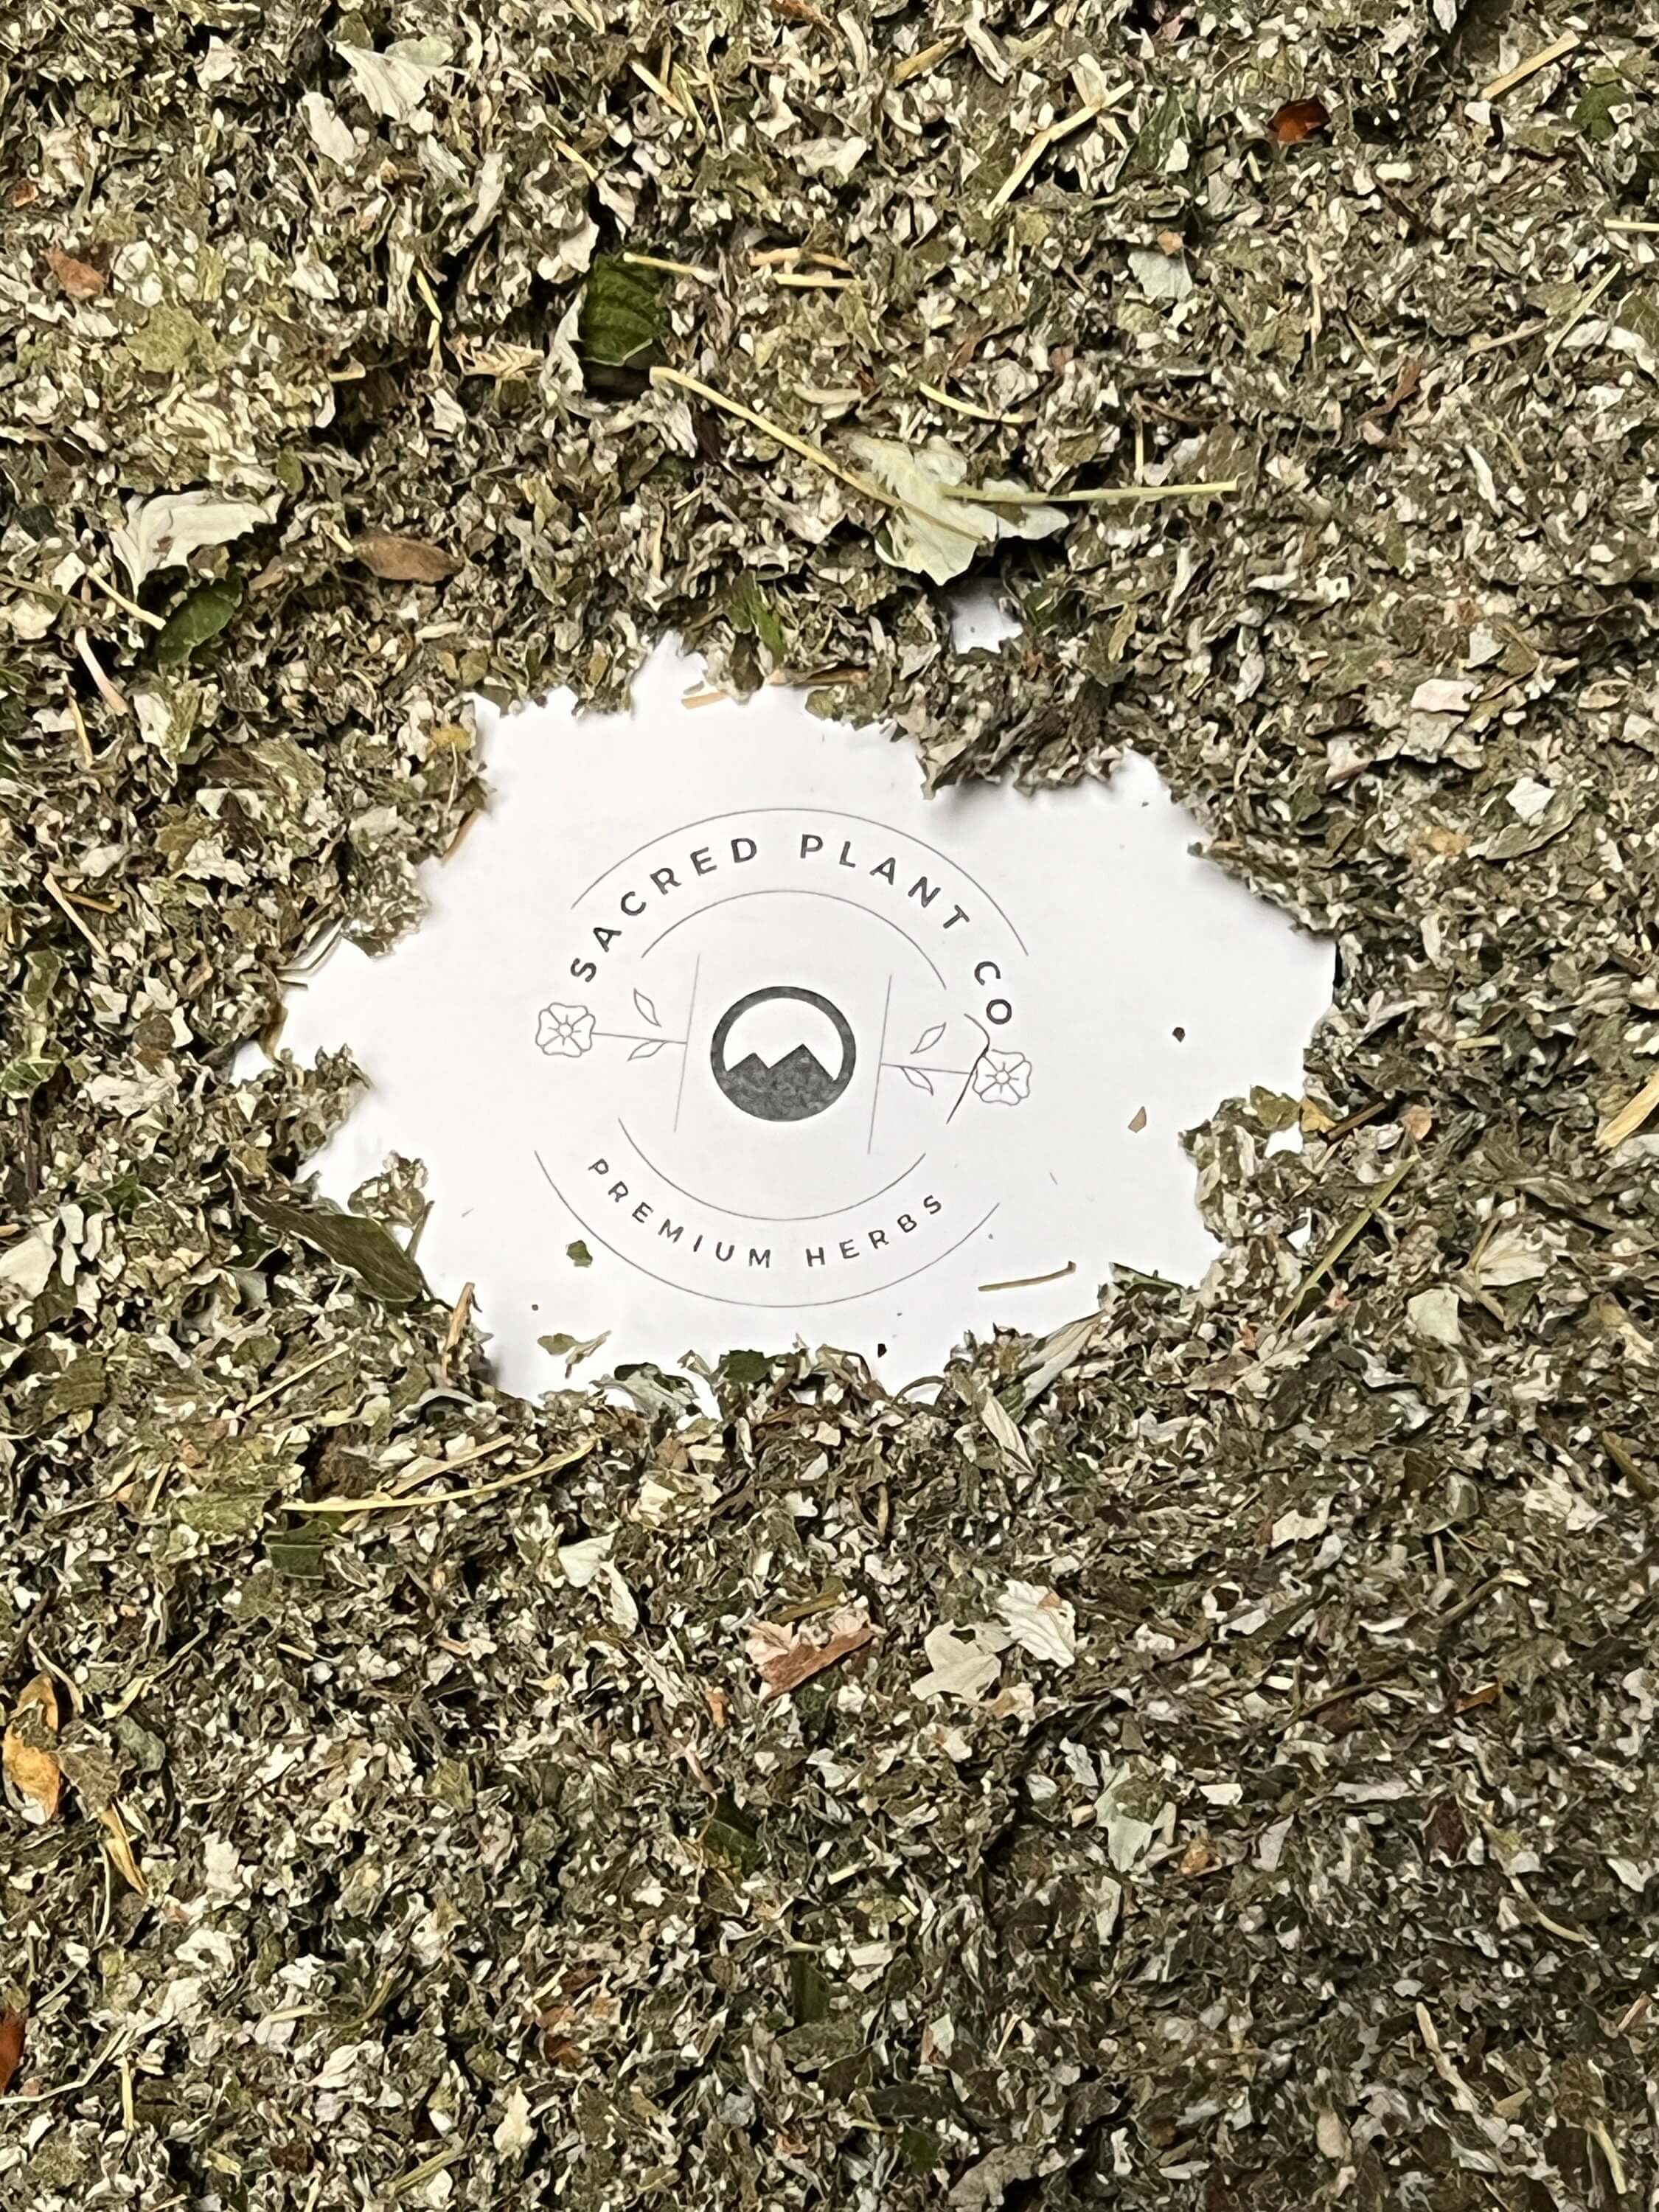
(1002, 1078)
(566, 1031)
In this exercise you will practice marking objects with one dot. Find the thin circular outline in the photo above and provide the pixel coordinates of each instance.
(764, 997)
(733, 1214)
(831, 814)
(759, 1305)
(795, 891)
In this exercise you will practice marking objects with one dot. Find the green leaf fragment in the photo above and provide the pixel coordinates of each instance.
(731, 1837)
(752, 612)
(1597, 116)
(919, 2150)
(299, 1553)
(165, 341)
(621, 312)
(20, 1078)
(808, 1993)
(820, 2043)
(80, 1387)
(223, 1513)
(195, 620)
(745, 1367)
(351, 1241)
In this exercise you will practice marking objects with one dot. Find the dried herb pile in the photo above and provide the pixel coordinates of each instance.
(1203, 1759)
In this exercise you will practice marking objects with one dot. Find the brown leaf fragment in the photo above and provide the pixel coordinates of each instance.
(1447, 1834)
(1628, 1465)
(11, 2047)
(1488, 1693)
(1296, 121)
(788, 1655)
(403, 560)
(31, 1761)
(1405, 387)
(78, 280)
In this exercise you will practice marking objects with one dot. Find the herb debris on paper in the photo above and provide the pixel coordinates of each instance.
(1199, 1760)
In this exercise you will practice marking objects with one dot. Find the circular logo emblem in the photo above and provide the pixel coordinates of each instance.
(763, 1142)
(796, 1084)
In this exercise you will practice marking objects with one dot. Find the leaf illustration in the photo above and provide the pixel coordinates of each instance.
(929, 1039)
(921, 1081)
(648, 1049)
(646, 1009)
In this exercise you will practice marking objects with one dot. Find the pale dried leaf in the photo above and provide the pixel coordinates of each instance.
(1433, 1315)
(1298, 1527)
(1041, 1621)
(930, 532)
(1444, 694)
(963, 1663)
(164, 532)
(394, 81)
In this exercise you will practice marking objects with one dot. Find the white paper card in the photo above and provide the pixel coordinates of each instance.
(720, 1032)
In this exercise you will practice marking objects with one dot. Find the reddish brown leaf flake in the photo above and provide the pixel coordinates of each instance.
(789, 1655)
(78, 279)
(404, 560)
(1297, 119)
(1487, 1694)
(11, 2047)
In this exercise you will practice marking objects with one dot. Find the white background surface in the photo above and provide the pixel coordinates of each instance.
(1129, 936)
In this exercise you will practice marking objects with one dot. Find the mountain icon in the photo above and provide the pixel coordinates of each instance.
(793, 1090)
(796, 1085)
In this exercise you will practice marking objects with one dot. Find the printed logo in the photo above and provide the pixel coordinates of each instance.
(777, 1055)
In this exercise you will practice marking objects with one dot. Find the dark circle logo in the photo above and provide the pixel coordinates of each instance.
(796, 1085)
